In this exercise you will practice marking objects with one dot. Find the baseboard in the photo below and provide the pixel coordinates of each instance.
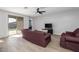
(57, 34)
(4, 37)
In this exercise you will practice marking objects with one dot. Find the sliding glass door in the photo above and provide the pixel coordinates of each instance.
(12, 26)
(15, 24)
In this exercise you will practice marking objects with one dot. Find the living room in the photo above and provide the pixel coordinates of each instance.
(59, 19)
(39, 29)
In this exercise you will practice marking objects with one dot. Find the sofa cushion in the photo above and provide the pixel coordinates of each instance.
(44, 33)
(77, 34)
(70, 33)
(76, 31)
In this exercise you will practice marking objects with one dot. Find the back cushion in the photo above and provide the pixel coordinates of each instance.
(40, 32)
(77, 34)
(76, 31)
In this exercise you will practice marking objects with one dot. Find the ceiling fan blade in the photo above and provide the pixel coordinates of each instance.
(44, 11)
(37, 9)
(40, 12)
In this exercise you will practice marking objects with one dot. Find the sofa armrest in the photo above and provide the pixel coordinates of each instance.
(47, 35)
(62, 34)
(73, 39)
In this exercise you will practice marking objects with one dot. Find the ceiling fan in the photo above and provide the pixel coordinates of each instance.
(39, 11)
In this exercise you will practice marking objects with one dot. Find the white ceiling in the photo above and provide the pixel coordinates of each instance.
(31, 11)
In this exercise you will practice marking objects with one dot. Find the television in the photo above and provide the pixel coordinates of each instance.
(48, 25)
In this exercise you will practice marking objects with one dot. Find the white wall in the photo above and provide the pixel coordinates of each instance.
(4, 22)
(26, 22)
(62, 21)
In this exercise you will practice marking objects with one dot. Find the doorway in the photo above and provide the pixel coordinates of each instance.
(15, 24)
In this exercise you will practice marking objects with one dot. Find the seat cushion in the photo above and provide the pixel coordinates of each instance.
(72, 46)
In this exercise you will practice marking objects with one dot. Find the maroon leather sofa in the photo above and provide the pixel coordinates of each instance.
(37, 37)
(70, 40)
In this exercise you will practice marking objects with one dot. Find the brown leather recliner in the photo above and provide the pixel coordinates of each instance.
(37, 37)
(70, 40)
